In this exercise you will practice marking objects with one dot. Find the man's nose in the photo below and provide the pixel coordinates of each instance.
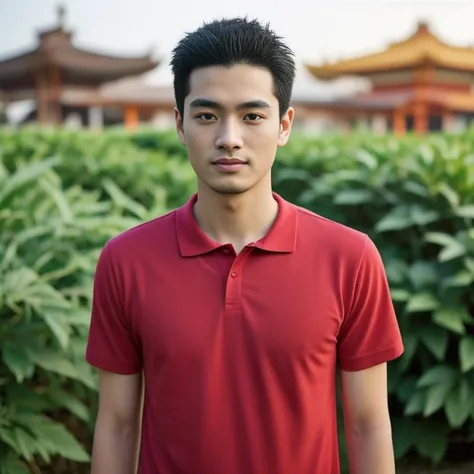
(229, 136)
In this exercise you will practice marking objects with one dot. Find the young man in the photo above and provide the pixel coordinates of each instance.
(239, 308)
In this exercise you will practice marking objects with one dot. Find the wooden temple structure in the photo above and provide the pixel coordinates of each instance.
(418, 84)
(62, 78)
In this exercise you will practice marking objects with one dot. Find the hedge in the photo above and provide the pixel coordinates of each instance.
(64, 193)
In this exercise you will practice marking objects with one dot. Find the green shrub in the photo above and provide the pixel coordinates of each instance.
(63, 193)
(415, 198)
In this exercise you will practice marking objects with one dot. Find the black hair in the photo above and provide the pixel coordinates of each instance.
(228, 42)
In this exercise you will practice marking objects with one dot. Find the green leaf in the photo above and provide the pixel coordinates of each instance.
(436, 340)
(416, 403)
(439, 374)
(59, 440)
(25, 176)
(75, 406)
(459, 404)
(452, 252)
(411, 344)
(396, 270)
(292, 174)
(403, 436)
(421, 216)
(461, 279)
(431, 440)
(453, 248)
(54, 362)
(440, 238)
(397, 219)
(423, 274)
(121, 199)
(353, 197)
(436, 396)
(7, 437)
(466, 353)
(399, 295)
(59, 325)
(59, 198)
(450, 194)
(18, 362)
(24, 442)
(421, 302)
(469, 262)
(451, 318)
(366, 158)
(465, 211)
(12, 465)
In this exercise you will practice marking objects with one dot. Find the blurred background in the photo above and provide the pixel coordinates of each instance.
(382, 141)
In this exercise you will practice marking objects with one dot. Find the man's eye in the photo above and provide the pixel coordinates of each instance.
(205, 117)
(253, 117)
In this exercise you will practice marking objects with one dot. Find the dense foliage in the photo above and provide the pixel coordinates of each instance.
(63, 193)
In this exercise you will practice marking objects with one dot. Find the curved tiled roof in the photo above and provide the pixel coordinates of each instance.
(77, 65)
(423, 47)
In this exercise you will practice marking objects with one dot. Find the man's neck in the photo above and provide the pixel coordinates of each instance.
(237, 219)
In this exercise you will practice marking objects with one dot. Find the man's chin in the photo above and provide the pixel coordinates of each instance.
(230, 191)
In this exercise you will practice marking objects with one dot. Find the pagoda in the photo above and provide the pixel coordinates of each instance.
(419, 84)
(56, 68)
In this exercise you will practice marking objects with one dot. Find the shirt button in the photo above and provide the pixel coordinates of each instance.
(233, 274)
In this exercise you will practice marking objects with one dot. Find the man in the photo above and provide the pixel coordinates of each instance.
(239, 308)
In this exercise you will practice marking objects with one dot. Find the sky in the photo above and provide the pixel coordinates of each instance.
(317, 30)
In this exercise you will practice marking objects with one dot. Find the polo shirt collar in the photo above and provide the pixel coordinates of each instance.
(281, 237)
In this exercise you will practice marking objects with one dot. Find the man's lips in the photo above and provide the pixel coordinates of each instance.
(229, 164)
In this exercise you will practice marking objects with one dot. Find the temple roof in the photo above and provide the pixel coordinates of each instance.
(77, 66)
(421, 48)
(390, 100)
(121, 93)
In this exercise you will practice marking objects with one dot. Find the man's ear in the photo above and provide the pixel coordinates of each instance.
(285, 127)
(179, 126)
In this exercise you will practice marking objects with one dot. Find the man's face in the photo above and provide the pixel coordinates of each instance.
(231, 127)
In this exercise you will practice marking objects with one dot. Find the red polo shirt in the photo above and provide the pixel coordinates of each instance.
(240, 352)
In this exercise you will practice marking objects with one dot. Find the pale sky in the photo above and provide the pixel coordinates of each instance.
(315, 29)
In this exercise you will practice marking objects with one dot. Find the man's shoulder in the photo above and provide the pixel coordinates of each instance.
(329, 232)
(155, 232)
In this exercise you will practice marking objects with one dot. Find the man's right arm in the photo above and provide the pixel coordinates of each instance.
(117, 428)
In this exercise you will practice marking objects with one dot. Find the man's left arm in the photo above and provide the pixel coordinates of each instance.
(368, 339)
(367, 421)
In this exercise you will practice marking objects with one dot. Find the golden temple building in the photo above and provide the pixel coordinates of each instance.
(419, 84)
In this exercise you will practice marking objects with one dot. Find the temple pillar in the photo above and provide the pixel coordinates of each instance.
(42, 99)
(55, 99)
(131, 118)
(399, 125)
(96, 118)
(449, 122)
(379, 124)
(420, 114)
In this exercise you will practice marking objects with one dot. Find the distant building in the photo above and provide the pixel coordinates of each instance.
(57, 75)
(419, 84)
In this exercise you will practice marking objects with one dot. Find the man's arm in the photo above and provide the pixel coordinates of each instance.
(117, 429)
(367, 421)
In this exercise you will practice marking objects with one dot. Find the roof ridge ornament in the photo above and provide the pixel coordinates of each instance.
(61, 15)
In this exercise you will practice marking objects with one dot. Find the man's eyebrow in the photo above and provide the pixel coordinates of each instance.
(251, 104)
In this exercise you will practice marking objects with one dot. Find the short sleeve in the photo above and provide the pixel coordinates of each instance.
(112, 344)
(369, 334)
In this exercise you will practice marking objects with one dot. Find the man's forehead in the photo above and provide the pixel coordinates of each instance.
(237, 78)
(231, 87)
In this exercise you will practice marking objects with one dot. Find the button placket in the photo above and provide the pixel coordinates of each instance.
(233, 296)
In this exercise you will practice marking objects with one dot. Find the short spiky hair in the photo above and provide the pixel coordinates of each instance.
(229, 42)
